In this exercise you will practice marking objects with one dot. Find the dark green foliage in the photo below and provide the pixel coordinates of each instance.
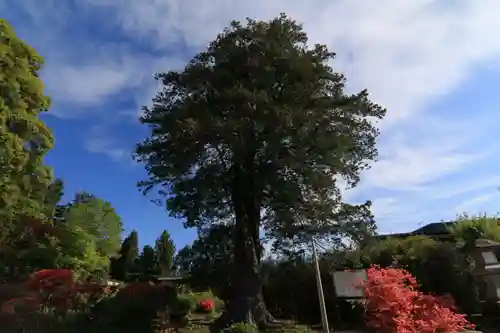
(165, 251)
(125, 264)
(208, 260)
(34, 244)
(259, 122)
(289, 288)
(138, 309)
(209, 263)
(148, 263)
(261, 117)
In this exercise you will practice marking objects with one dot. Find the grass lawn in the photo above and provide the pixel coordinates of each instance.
(200, 323)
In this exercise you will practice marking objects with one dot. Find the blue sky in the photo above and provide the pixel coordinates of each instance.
(433, 64)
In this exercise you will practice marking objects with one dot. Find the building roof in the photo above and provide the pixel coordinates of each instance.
(434, 228)
(431, 229)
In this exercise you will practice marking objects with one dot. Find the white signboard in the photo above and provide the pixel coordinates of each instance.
(345, 283)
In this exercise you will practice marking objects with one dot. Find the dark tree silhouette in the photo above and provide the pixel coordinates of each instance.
(258, 128)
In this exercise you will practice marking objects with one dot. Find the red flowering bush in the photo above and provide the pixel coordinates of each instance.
(56, 290)
(395, 305)
(206, 306)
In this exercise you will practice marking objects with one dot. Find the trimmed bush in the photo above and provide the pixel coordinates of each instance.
(140, 304)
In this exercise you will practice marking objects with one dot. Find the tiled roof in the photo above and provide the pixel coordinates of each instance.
(434, 228)
(431, 229)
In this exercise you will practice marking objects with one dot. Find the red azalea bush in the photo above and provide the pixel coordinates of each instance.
(395, 305)
(206, 306)
(56, 290)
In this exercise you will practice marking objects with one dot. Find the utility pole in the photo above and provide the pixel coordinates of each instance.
(321, 295)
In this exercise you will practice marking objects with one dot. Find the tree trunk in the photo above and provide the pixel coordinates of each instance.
(260, 308)
(246, 302)
(245, 276)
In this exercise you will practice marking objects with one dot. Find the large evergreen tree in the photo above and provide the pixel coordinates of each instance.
(148, 263)
(125, 264)
(24, 138)
(258, 127)
(165, 251)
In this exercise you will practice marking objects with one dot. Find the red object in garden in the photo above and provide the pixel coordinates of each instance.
(207, 305)
(395, 305)
(49, 278)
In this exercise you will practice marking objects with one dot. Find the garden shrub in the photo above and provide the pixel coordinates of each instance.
(289, 290)
(205, 306)
(440, 267)
(348, 314)
(183, 305)
(56, 291)
(139, 304)
(135, 305)
(395, 305)
(199, 297)
(50, 300)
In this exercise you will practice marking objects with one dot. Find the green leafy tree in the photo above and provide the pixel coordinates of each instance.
(148, 263)
(259, 122)
(93, 228)
(475, 226)
(165, 251)
(125, 263)
(24, 138)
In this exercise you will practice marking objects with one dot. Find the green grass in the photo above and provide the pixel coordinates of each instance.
(195, 329)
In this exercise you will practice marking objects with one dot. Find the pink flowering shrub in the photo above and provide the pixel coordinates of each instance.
(395, 305)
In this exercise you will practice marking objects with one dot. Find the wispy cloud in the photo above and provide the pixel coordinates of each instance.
(477, 204)
(100, 142)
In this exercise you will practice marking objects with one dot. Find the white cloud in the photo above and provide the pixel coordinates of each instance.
(415, 155)
(115, 75)
(99, 142)
(475, 204)
(404, 52)
(87, 85)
